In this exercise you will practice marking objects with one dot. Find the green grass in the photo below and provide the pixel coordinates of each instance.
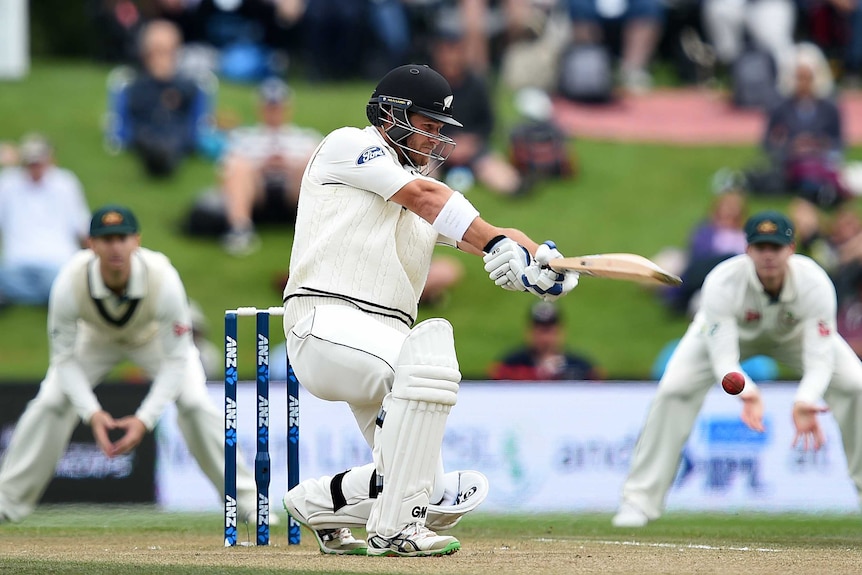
(633, 198)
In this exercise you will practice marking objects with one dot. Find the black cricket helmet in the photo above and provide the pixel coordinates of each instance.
(413, 89)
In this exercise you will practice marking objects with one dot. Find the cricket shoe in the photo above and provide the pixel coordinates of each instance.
(338, 541)
(629, 516)
(413, 541)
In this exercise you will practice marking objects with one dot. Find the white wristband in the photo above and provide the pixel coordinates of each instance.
(455, 217)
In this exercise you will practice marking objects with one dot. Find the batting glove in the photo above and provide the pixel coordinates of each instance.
(544, 282)
(505, 261)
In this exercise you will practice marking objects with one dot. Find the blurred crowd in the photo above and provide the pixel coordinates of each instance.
(792, 59)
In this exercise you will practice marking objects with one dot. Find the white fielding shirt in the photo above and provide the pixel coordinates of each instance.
(352, 244)
(78, 330)
(737, 316)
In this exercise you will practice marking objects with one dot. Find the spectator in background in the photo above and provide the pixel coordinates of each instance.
(836, 27)
(850, 312)
(263, 167)
(491, 25)
(713, 240)
(641, 24)
(544, 357)
(333, 39)
(162, 104)
(768, 24)
(116, 24)
(444, 273)
(43, 223)
(804, 133)
(476, 112)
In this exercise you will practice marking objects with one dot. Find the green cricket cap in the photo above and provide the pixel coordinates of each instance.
(769, 227)
(113, 220)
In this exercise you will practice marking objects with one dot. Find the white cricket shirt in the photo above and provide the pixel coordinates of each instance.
(352, 244)
(738, 316)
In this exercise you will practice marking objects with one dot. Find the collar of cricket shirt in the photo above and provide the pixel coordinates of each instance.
(136, 288)
(788, 288)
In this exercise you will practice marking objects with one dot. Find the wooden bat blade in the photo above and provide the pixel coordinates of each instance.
(630, 267)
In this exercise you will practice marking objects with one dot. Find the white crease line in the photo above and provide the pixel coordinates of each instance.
(668, 545)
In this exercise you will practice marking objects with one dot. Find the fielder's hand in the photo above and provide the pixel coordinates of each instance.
(102, 423)
(545, 282)
(808, 432)
(752, 411)
(505, 263)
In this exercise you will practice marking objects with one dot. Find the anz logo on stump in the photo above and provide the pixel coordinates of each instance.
(369, 154)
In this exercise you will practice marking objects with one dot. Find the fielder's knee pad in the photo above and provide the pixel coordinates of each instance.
(411, 425)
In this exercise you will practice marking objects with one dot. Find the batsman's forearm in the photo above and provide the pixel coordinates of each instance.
(481, 232)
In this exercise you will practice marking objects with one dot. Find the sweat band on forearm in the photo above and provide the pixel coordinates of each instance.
(455, 217)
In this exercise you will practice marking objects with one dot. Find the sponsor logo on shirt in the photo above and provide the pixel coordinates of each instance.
(369, 154)
(823, 329)
(751, 316)
(180, 329)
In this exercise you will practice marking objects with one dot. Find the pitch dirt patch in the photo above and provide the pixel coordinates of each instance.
(478, 557)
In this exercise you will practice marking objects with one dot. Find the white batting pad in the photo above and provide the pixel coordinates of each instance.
(407, 446)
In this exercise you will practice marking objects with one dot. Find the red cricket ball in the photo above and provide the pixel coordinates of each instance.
(733, 383)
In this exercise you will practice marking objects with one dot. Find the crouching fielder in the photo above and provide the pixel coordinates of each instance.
(766, 301)
(368, 220)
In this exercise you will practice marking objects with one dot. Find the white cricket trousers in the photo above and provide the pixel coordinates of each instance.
(339, 353)
(45, 428)
(681, 393)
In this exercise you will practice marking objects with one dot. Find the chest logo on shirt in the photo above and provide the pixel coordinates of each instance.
(180, 329)
(751, 316)
(823, 329)
(369, 154)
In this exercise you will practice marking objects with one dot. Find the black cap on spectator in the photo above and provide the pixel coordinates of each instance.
(274, 91)
(544, 313)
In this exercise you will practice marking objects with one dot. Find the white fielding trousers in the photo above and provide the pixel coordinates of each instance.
(681, 393)
(44, 430)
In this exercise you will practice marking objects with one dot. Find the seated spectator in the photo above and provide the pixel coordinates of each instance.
(836, 27)
(44, 220)
(115, 24)
(768, 25)
(262, 168)
(476, 113)
(713, 240)
(490, 26)
(804, 133)
(163, 106)
(544, 357)
(444, 273)
(641, 23)
(850, 312)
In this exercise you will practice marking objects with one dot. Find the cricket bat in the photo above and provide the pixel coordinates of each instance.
(621, 266)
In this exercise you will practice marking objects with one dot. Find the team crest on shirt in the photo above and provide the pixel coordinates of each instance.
(369, 154)
(751, 316)
(823, 329)
(180, 329)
